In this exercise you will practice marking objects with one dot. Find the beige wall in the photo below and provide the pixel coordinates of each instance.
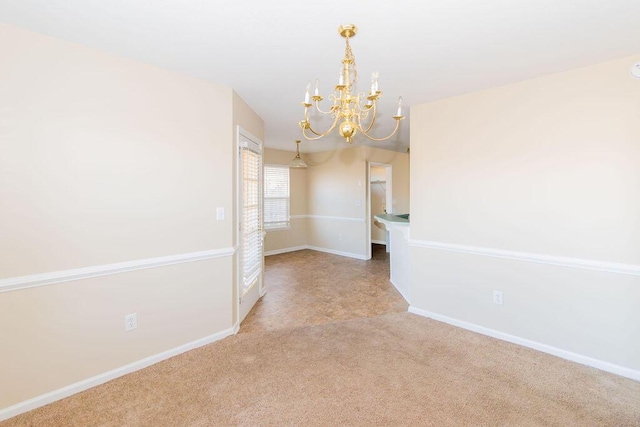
(331, 197)
(296, 235)
(56, 335)
(337, 191)
(545, 167)
(107, 160)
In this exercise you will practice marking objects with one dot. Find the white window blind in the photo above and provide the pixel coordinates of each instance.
(251, 220)
(276, 196)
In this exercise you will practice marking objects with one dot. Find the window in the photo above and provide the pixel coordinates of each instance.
(276, 197)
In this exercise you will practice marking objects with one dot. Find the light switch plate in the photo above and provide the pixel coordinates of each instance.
(220, 214)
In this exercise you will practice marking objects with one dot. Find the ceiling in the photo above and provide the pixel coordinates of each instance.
(267, 51)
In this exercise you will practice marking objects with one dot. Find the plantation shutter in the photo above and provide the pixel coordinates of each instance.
(251, 221)
(276, 196)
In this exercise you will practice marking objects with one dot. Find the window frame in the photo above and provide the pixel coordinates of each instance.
(276, 225)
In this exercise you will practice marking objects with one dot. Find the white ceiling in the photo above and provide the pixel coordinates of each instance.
(267, 51)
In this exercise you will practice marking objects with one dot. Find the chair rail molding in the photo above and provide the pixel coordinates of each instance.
(44, 279)
(331, 218)
(587, 264)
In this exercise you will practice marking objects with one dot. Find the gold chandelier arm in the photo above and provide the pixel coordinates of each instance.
(332, 110)
(397, 119)
(373, 118)
(312, 138)
(319, 135)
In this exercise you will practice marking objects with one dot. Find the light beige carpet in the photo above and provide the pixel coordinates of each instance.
(396, 369)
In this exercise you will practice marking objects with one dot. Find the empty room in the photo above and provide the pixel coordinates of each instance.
(364, 213)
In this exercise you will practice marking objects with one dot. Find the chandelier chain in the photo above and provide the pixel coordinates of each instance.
(348, 54)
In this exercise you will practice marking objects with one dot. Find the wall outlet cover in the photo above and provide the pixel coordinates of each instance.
(498, 297)
(130, 321)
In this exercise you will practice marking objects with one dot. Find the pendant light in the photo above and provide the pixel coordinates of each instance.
(297, 161)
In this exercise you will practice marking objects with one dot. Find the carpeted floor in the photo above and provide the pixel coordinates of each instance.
(347, 353)
(395, 369)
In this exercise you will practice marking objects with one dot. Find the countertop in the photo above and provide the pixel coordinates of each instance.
(392, 219)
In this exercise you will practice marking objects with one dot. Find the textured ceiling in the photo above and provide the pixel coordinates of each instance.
(267, 51)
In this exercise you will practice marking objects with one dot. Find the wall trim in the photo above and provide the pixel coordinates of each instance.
(564, 354)
(285, 250)
(335, 218)
(611, 267)
(379, 242)
(315, 248)
(335, 252)
(61, 393)
(404, 294)
(44, 279)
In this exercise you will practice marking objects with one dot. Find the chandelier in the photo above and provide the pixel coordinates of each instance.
(351, 112)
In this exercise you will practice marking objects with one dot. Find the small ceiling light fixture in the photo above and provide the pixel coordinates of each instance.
(347, 108)
(297, 161)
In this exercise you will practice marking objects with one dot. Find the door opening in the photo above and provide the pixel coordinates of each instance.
(380, 201)
(250, 228)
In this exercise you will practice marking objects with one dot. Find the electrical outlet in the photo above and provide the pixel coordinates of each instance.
(130, 322)
(340, 236)
(498, 297)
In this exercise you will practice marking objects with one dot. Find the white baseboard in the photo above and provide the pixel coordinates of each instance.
(88, 383)
(406, 297)
(285, 250)
(315, 248)
(564, 354)
(335, 252)
(379, 242)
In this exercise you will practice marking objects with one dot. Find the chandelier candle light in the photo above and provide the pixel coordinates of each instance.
(348, 111)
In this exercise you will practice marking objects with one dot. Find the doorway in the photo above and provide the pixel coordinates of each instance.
(380, 200)
(250, 229)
